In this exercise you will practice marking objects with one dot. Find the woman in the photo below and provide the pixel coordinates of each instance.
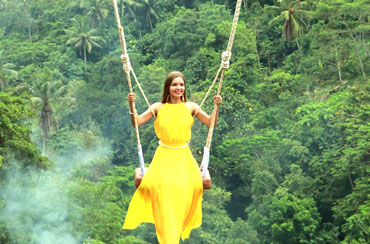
(170, 194)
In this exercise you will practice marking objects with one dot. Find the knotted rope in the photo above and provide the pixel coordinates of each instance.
(128, 69)
(225, 62)
(226, 55)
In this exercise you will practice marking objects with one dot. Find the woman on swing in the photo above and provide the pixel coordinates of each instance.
(170, 194)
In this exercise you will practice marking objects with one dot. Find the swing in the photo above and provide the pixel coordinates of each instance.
(225, 62)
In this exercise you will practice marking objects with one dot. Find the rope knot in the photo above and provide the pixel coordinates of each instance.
(225, 62)
(126, 63)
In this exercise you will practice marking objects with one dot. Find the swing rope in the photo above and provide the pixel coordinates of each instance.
(225, 62)
(128, 68)
(226, 55)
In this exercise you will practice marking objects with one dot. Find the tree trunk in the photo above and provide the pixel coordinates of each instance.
(309, 93)
(2, 84)
(299, 47)
(351, 182)
(358, 55)
(338, 62)
(43, 145)
(85, 56)
(255, 34)
(149, 21)
(29, 34)
(364, 44)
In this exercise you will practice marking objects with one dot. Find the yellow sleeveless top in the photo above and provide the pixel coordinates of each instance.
(173, 124)
(170, 194)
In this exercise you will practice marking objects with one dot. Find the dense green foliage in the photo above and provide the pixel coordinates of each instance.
(290, 156)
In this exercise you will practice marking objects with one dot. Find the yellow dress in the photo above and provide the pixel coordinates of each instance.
(170, 194)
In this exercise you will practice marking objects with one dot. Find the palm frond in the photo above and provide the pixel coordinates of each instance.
(305, 13)
(79, 44)
(97, 39)
(277, 19)
(60, 91)
(301, 22)
(296, 27)
(37, 100)
(10, 72)
(153, 12)
(95, 44)
(76, 23)
(133, 3)
(70, 32)
(272, 7)
(89, 46)
(92, 32)
(72, 41)
(9, 66)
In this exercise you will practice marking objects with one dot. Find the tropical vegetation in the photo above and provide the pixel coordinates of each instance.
(290, 158)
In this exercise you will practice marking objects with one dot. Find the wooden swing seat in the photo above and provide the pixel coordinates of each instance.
(207, 182)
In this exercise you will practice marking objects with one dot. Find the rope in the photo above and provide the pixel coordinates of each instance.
(127, 68)
(125, 58)
(209, 89)
(225, 59)
(142, 92)
(233, 28)
(225, 63)
(226, 56)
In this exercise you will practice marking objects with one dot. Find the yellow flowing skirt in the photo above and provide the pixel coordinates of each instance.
(170, 196)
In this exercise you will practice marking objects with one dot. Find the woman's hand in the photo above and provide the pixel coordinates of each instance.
(131, 97)
(217, 99)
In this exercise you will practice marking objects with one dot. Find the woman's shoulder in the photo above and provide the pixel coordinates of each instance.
(156, 106)
(192, 105)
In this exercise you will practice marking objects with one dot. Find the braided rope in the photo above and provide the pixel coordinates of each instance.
(224, 65)
(226, 55)
(125, 58)
(233, 28)
(209, 90)
(142, 92)
(127, 68)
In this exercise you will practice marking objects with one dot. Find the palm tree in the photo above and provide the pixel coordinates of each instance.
(5, 69)
(144, 6)
(149, 10)
(46, 89)
(121, 6)
(96, 11)
(292, 13)
(130, 5)
(82, 38)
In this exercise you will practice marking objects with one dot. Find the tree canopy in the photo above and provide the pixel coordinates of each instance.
(290, 153)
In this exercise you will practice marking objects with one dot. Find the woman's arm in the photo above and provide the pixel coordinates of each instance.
(203, 116)
(144, 117)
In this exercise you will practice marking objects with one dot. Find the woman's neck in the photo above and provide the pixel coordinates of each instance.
(174, 100)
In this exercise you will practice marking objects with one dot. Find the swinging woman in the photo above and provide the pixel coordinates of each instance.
(170, 194)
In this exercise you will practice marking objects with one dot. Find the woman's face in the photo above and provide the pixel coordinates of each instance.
(177, 87)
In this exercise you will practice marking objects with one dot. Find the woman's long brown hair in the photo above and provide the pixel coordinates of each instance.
(166, 89)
